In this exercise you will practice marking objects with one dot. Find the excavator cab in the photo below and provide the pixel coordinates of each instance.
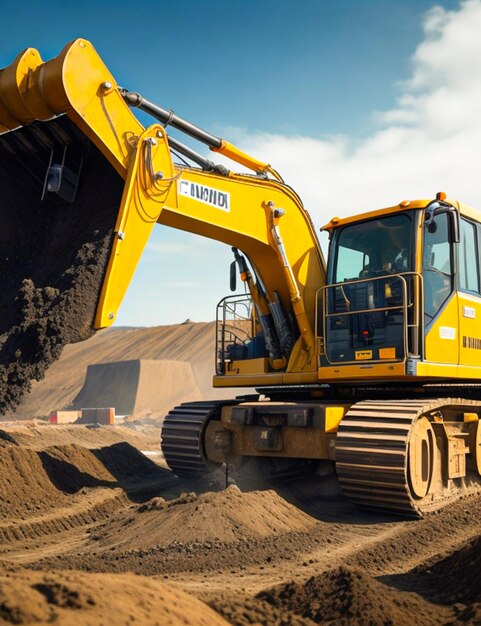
(396, 279)
(371, 305)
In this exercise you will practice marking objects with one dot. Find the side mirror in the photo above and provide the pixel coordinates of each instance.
(438, 207)
(233, 276)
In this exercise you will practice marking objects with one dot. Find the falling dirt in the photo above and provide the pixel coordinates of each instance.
(89, 532)
(52, 256)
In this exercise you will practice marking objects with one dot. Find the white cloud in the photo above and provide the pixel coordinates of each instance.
(430, 142)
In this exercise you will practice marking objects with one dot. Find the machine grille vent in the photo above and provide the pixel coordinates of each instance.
(472, 342)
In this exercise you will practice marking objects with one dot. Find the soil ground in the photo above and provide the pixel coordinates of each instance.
(92, 524)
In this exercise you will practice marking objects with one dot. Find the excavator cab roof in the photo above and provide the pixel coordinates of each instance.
(337, 222)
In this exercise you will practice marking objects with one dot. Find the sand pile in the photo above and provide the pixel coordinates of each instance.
(455, 578)
(195, 533)
(74, 599)
(138, 387)
(341, 597)
(223, 517)
(247, 611)
(52, 256)
(35, 482)
(346, 596)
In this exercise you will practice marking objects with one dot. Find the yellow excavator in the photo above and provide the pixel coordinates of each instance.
(355, 363)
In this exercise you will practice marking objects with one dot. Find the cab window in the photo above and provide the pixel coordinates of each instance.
(468, 258)
(437, 266)
(373, 248)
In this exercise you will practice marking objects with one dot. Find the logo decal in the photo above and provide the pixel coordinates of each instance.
(472, 342)
(207, 195)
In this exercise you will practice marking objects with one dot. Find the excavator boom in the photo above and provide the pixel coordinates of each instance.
(66, 117)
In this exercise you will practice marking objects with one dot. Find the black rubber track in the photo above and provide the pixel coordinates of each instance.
(182, 437)
(372, 447)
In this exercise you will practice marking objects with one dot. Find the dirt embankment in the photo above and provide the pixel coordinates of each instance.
(46, 491)
(192, 343)
(73, 599)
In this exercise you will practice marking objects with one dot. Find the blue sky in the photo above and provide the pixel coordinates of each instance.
(289, 80)
(312, 67)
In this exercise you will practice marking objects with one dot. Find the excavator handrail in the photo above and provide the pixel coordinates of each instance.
(417, 325)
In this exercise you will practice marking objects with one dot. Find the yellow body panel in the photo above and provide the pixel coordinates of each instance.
(378, 371)
(248, 380)
(248, 366)
(469, 329)
(442, 339)
(334, 415)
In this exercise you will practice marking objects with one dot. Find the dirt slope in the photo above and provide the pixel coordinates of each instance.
(191, 342)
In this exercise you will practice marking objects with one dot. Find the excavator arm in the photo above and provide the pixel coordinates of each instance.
(255, 213)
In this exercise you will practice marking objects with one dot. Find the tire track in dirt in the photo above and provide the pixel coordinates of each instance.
(92, 506)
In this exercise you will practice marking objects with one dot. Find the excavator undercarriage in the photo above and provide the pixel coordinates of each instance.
(407, 457)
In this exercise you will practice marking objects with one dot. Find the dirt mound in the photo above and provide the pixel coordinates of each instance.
(138, 387)
(344, 597)
(52, 256)
(246, 611)
(35, 482)
(462, 568)
(195, 533)
(74, 599)
(227, 516)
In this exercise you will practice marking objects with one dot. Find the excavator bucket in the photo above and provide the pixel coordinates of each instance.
(53, 248)
(72, 226)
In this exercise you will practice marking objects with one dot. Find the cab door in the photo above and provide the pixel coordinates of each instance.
(441, 312)
(469, 295)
